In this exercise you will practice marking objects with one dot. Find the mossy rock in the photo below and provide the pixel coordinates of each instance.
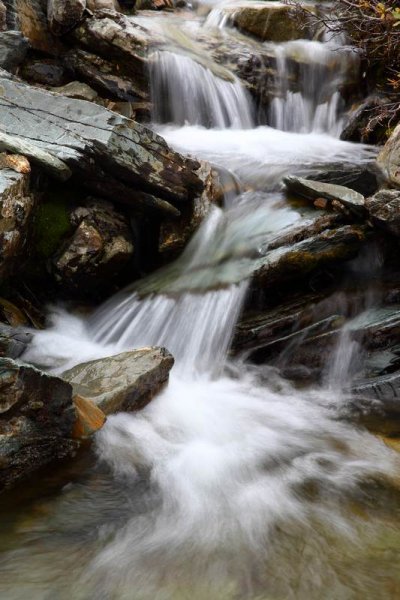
(52, 224)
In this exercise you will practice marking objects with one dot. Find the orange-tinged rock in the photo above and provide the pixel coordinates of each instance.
(17, 162)
(89, 418)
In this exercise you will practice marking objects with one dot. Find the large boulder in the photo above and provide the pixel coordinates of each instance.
(384, 210)
(64, 15)
(389, 158)
(99, 248)
(124, 382)
(268, 21)
(16, 215)
(37, 417)
(110, 155)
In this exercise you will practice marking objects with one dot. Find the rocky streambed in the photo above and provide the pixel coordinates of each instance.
(177, 187)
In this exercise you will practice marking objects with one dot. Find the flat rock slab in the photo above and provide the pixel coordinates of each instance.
(311, 190)
(124, 382)
(102, 149)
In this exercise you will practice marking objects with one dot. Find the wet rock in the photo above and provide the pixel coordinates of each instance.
(312, 190)
(46, 72)
(29, 17)
(37, 417)
(16, 214)
(89, 418)
(13, 342)
(363, 178)
(64, 15)
(78, 90)
(3, 16)
(110, 155)
(101, 74)
(13, 49)
(384, 210)
(175, 234)
(100, 247)
(364, 124)
(124, 382)
(389, 158)
(268, 21)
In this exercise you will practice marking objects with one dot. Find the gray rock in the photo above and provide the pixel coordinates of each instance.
(37, 417)
(100, 247)
(384, 210)
(78, 90)
(46, 72)
(64, 15)
(13, 342)
(13, 49)
(3, 16)
(108, 153)
(389, 158)
(124, 382)
(312, 190)
(16, 214)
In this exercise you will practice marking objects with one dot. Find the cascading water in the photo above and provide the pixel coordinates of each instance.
(231, 484)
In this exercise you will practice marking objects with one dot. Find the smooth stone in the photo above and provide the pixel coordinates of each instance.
(78, 90)
(311, 190)
(384, 210)
(124, 382)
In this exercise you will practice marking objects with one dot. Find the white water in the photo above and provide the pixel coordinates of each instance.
(248, 481)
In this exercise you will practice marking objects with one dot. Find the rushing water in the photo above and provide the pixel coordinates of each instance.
(231, 484)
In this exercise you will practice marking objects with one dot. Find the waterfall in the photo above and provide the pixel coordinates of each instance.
(184, 91)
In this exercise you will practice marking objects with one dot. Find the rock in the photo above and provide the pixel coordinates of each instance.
(312, 190)
(64, 15)
(46, 72)
(100, 247)
(268, 21)
(124, 382)
(154, 4)
(78, 90)
(37, 417)
(102, 76)
(13, 49)
(389, 158)
(16, 162)
(3, 16)
(13, 342)
(16, 213)
(384, 210)
(175, 234)
(363, 178)
(103, 5)
(48, 162)
(89, 418)
(365, 123)
(29, 17)
(107, 153)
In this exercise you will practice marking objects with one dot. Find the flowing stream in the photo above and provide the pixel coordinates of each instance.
(231, 484)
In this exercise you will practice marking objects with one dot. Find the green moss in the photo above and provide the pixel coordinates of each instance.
(52, 224)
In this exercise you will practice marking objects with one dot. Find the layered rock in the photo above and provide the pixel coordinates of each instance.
(110, 155)
(64, 15)
(29, 17)
(37, 417)
(314, 190)
(123, 382)
(384, 210)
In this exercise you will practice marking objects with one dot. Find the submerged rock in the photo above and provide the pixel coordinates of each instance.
(312, 190)
(389, 158)
(124, 382)
(16, 214)
(384, 210)
(37, 418)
